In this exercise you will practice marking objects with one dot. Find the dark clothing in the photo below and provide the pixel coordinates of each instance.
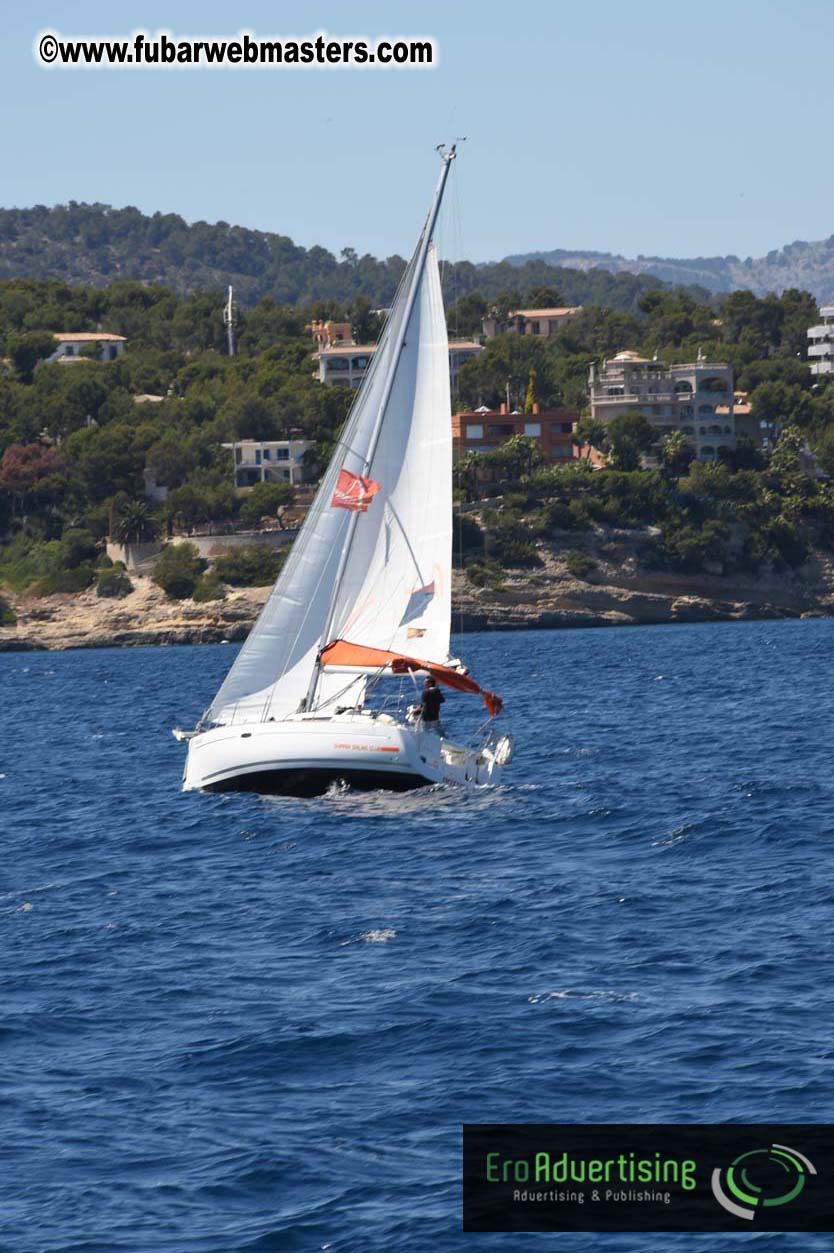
(433, 698)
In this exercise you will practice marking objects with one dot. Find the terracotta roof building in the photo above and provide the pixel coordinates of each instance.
(541, 322)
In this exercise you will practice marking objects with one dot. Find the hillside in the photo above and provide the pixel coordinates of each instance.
(95, 245)
(618, 591)
(808, 266)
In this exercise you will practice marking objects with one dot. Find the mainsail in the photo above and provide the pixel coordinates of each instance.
(372, 562)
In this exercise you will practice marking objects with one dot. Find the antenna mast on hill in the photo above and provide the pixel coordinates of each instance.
(229, 319)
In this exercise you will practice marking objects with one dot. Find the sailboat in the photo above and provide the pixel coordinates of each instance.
(365, 594)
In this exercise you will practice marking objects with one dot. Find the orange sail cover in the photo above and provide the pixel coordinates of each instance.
(342, 653)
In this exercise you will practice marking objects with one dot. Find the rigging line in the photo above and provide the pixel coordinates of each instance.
(418, 271)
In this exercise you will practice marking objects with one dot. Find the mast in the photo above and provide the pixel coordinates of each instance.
(447, 157)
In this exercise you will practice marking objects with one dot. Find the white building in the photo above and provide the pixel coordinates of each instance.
(269, 461)
(70, 344)
(347, 364)
(684, 398)
(821, 342)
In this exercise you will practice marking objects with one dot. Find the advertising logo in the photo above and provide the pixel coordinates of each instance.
(762, 1178)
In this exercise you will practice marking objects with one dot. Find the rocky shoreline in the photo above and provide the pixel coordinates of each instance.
(548, 599)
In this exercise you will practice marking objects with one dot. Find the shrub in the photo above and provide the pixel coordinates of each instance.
(113, 583)
(77, 579)
(580, 564)
(687, 548)
(79, 545)
(517, 554)
(7, 615)
(559, 515)
(208, 587)
(510, 543)
(253, 565)
(177, 569)
(467, 538)
(265, 499)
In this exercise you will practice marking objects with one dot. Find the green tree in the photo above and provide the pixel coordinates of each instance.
(627, 438)
(530, 398)
(135, 523)
(27, 349)
(676, 453)
(252, 565)
(591, 433)
(265, 500)
(177, 570)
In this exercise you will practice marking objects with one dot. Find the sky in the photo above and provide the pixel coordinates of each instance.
(655, 128)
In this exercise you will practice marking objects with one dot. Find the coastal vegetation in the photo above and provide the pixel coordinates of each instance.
(78, 441)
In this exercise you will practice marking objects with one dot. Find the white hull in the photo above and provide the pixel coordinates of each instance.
(302, 755)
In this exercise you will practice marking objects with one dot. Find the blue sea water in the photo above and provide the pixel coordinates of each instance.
(236, 1023)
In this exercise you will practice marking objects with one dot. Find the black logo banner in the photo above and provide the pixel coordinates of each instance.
(648, 1177)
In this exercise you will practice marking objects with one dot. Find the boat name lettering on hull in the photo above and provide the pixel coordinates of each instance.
(366, 748)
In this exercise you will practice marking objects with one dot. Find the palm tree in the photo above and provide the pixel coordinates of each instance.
(135, 523)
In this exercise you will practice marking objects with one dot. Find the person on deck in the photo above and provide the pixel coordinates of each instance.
(433, 698)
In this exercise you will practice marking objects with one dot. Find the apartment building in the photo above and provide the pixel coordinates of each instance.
(821, 343)
(540, 322)
(269, 461)
(347, 364)
(684, 398)
(483, 430)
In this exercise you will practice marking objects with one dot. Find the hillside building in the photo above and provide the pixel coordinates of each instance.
(540, 322)
(821, 342)
(70, 344)
(483, 430)
(684, 398)
(347, 364)
(270, 461)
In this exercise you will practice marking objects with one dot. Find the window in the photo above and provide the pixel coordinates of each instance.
(360, 363)
(567, 428)
(616, 391)
(532, 428)
(267, 454)
(500, 429)
(727, 430)
(683, 386)
(257, 456)
(534, 328)
(705, 409)
(69, 351)
(282, 454)
(336, 363)
(562, 450)
(714, 385)
(474, 432)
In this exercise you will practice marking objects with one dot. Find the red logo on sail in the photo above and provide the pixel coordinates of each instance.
(353, 492)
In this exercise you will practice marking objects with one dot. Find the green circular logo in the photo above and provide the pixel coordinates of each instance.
(761, 1179)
